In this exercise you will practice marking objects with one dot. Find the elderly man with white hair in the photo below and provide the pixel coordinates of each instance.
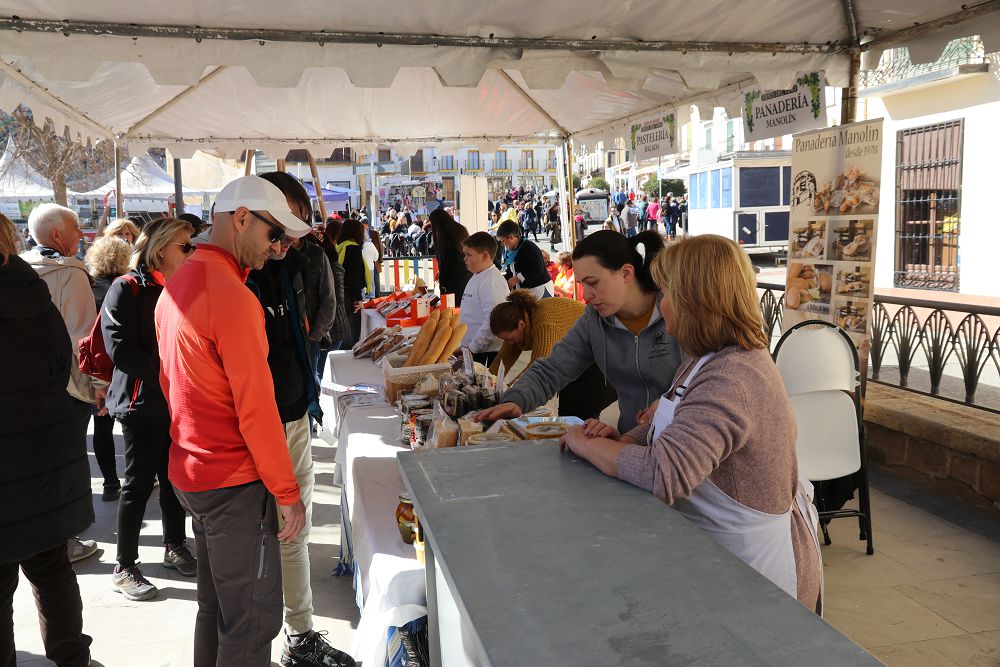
(56, 230)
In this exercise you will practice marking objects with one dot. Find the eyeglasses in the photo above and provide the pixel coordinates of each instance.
(277, 232)
(187, 248)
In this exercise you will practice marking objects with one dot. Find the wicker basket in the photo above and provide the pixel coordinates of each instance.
(402, 379)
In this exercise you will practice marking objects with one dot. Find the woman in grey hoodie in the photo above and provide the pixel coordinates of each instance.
(621, 331)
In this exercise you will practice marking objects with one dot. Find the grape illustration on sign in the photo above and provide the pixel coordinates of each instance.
(771, 113)
(654, 136)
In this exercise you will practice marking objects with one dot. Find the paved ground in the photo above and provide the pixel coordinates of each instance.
(929, 596)
(158, 633)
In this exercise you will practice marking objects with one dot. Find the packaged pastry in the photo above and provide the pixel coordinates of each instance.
(468, 427)
(545, 430)
(491, 439)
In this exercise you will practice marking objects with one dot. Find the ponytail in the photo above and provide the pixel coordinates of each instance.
(519, 306)
(613, 251)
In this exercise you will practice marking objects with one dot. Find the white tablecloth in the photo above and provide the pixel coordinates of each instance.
(389, 582)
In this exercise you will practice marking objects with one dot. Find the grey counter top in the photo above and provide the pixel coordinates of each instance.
(554, 563)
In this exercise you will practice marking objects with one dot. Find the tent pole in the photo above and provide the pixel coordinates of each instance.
(849, 94)
(178, 188)
(316, 185)
(570, 196)
(249, 163)
(119, 199)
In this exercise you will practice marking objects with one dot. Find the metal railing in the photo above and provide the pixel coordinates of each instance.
(947, 350)
(895, 64)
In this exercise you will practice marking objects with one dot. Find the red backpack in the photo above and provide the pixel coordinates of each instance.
(94, 358)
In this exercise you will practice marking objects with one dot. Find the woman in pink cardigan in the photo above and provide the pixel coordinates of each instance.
(721, 446)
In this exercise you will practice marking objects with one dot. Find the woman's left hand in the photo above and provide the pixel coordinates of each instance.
(357, 306)
(575, 439)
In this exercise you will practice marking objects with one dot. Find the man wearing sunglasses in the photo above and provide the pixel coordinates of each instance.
(229, 461)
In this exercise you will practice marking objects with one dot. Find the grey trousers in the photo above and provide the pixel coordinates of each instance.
(239, 575)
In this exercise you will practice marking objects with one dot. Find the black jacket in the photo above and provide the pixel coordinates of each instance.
(321, 294)
(279, 287)
(341, 329)
(354, 275)
(530, 264)
(452, 275)
(130, 339)
(45, 495)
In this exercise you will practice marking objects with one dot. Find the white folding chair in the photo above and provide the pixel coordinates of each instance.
(819, 366)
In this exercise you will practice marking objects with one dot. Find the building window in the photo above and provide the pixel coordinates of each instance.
(447, 163)
(500, 160)
(552, 160)
(417, 162)
(473, 157)
(730, 136)
(384, 155)
(928, 205)
(528, 160)
(708, 137)
(342, 155)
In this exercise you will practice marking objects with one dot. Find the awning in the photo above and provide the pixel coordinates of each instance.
(18, 180)
(191, 74)
(328, 194)
(141, 179)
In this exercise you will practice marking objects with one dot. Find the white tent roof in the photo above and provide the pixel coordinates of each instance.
(142, 179)
(18, 180)
(320, 75)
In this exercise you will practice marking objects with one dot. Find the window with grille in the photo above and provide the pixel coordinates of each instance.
(500, 160)
(528, 160)
(473, 157)
(730, 136)
(448, 163)
(928, 206)
(552, 160)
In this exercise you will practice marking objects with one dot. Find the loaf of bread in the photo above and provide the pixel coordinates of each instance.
(457, 334)
(441, 338)
(424, 339)
(375, 333)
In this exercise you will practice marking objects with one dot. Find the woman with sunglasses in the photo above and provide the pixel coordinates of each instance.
(136, 401)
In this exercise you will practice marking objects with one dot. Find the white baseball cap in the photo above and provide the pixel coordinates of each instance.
(256, 194)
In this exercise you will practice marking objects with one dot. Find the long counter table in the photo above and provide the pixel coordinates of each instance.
(536, 558)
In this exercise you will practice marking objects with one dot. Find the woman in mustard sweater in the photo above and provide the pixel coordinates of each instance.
(524, 322)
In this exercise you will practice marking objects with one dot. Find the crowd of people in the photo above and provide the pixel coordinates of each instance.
(217, 334)
(213, 335)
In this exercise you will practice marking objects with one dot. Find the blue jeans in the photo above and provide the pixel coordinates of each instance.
(630, 232)
(317, 357)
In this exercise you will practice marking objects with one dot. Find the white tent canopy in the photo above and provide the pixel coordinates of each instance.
(190, 74)
(141, 179)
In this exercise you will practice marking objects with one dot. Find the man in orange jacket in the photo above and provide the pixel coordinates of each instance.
(229, 460)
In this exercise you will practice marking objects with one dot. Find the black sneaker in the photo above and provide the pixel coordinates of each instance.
(311, 648)
(181, 559)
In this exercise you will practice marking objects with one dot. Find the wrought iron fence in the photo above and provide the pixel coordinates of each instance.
(895, 64)
(929, 347)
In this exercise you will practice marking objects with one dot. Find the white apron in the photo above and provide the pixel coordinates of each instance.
(761, 540)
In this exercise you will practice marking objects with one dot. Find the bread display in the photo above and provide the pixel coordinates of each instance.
(442, 334)
(424, 339)
(457, 334)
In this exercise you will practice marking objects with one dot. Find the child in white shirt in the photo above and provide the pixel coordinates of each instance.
(484, 291)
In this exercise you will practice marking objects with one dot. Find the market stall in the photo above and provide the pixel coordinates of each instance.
(517, 539)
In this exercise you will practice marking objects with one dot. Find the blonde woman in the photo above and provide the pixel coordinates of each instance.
(136, 400)
(721, 445)
(123, 228)
(106, 259)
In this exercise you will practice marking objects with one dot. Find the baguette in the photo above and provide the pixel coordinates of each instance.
(434, 350)
(456, 339)
(446, 315)
(424, 338)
